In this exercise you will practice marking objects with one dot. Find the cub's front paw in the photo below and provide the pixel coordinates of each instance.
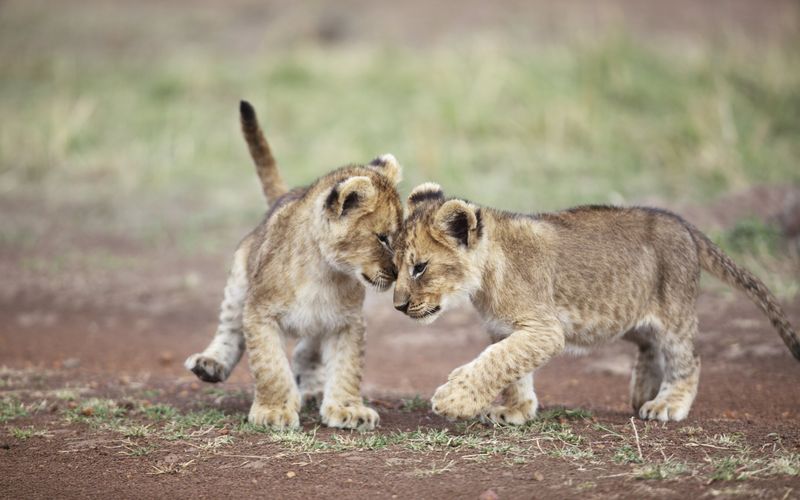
(349, 416)
(207, 369)
(459, 397)
(509, 415)
(277, 417)
(664, 411)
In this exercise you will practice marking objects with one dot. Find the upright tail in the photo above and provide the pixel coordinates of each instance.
(716, 262)
(267, 169)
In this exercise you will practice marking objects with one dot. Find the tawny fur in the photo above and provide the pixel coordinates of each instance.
(567, 280)
(302, 272)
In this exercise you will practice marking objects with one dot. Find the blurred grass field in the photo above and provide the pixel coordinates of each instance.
(101, 108)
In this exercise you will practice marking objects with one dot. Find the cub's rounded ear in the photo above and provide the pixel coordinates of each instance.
(389, 166)
(350, 194)
(459, 221)
(424, 192)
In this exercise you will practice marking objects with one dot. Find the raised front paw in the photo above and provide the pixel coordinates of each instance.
(206, 368)
(349, 416)
(459, 397)
(277, 417)
(509, 415)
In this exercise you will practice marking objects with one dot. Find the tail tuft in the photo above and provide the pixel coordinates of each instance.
(247, 112)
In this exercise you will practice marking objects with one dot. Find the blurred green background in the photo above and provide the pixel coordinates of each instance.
(119, 119)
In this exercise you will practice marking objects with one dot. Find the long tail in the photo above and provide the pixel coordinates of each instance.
(271, 181)
(716, 262)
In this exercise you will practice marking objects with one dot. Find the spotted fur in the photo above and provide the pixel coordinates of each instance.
(302, 272)
(561, 281)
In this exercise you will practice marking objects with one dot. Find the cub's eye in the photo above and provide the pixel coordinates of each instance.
(419, 268)
(384, 240)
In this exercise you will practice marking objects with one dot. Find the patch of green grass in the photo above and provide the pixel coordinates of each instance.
(626, 454)
(417, 403)
(95, 412)
(213, 445)
(572, 452)
(298, 440)
(11, 408)
(751, 236)
(435, 469)
(133, 430)
(160, 412)
(784, 463)
(735, 440)
(133, 449)
(215, 391)
(565, 414)
(26, 432)
(66, 394)
(151, 393)
(203, 418)
(660, 471)
(759, 246)
(729, 468)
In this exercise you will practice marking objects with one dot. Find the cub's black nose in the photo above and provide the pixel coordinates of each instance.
(402, 307)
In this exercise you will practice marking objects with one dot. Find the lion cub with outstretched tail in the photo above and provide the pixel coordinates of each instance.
(302, 272)
(573, 279)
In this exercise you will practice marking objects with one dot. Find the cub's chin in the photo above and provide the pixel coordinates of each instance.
(427, 317)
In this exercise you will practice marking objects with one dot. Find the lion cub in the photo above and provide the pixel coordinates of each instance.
(302, 272)
(570, 279)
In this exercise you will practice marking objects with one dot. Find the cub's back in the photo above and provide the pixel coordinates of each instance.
(632, 253)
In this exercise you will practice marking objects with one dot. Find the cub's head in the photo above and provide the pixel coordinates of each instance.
(361, 216)
(435, 253)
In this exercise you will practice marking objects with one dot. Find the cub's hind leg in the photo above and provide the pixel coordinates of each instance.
(519, 404)
(681, 373)
(309, 373)
(647, 372)
(217, 361)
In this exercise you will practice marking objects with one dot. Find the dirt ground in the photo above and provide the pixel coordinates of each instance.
(92, 388)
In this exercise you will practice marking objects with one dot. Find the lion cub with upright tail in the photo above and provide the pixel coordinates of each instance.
(302, 272)
(573, 279)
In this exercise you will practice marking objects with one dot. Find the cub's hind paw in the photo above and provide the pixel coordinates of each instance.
(509, 415)
(207, 369)
(278, 418)
(354, 416)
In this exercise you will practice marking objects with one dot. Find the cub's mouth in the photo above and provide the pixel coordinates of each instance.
(426, 314)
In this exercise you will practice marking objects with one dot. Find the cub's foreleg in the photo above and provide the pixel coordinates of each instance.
(343, 356)
(472, 387)
(217, 361)
(276, 402)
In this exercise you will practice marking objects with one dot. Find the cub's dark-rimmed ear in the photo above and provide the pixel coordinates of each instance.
(350, 194)
(460, 222)
(428, 191)
(388, 166)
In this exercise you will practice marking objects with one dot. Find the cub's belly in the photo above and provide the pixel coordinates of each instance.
(584, 331)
